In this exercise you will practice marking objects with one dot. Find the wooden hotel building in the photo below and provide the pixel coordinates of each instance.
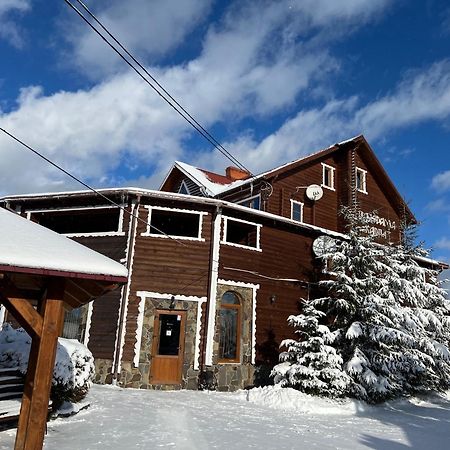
(216, 262)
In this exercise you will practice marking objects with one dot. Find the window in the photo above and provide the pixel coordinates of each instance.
(251, 202)
(328, 176)
(229, 327)
(241, 233)
(163, 222)
(296, 211)
(183, 188)
(75, 323)
(79, 221)
(361, 180)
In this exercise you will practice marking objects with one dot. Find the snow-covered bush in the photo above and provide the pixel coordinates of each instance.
(389, 319)
(74, 364)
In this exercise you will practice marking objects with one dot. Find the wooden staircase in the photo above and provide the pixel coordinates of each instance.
(11, 390)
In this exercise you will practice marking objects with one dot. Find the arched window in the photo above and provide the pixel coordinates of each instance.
(230, 327)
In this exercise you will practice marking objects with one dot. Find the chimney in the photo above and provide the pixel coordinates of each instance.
(236, 174)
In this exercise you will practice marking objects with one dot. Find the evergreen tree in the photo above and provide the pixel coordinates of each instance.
(310, 364)
(389, 319)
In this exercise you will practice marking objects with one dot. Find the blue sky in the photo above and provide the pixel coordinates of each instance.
(272, 80)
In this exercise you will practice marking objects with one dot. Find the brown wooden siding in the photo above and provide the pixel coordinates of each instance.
(105, 311)
(164, 265)
(285, 254)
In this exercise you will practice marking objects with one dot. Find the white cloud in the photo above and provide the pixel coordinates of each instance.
(149, 29)
(439, 205)
(443, 244)
(8, 28)
(441, 181)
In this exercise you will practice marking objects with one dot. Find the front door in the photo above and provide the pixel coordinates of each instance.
(168, 347)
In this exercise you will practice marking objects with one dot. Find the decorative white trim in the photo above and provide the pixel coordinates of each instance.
(119, 231)
(168, 296)
(254, 288)
(139, 327)
(364, 180)
(232, 244)
(332, 172)
(213, 290)
(75, 208)
(140, 321)
(200, 214)
(2, 315)
(296, 202)
(125, 294)
(105, 233)
(87, 327)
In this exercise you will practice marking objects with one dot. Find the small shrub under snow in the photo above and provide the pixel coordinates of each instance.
(74, 364)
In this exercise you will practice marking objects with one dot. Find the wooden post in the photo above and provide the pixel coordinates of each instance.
(34, 410)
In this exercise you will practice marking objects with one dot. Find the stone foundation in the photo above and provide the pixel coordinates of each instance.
(103, 371)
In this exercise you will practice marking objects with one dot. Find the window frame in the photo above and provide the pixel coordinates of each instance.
(332, 170)
(296, 202)
(119, 231)
(183, 184)
(240, 202)
(363, 172)
(238, 308)
(233, 244)
(200, 215)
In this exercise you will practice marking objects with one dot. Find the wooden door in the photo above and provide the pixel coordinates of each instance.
(168, 347)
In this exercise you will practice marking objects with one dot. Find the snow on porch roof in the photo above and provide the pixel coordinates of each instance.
(32, 248)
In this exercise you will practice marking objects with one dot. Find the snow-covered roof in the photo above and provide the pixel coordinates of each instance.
(201, 178)
(214, 188)
(26, 245)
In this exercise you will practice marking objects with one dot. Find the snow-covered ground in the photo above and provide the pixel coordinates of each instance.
(269, 418)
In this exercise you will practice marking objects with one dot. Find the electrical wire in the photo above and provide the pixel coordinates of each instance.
(112, 202)
(165, 95)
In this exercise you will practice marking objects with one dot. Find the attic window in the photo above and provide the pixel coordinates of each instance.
(180, 223)
(183, 189)
(361, 180)
(328, 176)
(241, 233)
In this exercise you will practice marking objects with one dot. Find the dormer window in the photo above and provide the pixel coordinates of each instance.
(328, 176)
(183, 189)
(361, 180)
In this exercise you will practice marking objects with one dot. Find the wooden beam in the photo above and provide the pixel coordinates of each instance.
(24, 313)
(33, 414)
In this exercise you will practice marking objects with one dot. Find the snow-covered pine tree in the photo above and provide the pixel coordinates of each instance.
(389, 319)
(310, 364)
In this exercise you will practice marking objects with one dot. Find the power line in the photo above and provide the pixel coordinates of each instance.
(165, 95)
(112, 202)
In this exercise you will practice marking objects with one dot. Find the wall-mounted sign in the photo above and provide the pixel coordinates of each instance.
(376, 225)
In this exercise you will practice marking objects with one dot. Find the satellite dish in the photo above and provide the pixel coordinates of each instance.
(314, 192)
(323, 245)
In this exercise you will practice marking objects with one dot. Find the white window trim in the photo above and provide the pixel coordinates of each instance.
(232, 244)
(183, 183)
(140, 321)
(296, 202)
(200, 214)
(364, 173)
(119, 231)
(240, 202)
(254, 288)
(332, 172)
